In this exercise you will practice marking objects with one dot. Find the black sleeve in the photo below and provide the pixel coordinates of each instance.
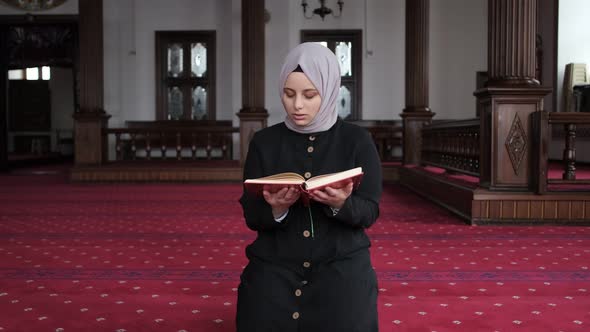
(361, 209)
(257, 211)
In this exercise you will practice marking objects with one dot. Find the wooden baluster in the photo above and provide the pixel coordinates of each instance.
(425, 145)
(467, 150)
(448, 149)
(194, 146)
(472, 149)
(178, 147)
(440, 147)
(477, 145)
(459, 149)
(224, 147)
(133, 147)
(163, 144)
(569, 153)
(462, 148)
(118, 146)
(208, 146)
(148, 146)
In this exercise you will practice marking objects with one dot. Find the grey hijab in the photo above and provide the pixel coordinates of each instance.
(321, 67)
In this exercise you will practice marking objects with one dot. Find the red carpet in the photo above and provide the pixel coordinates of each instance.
(163, 257)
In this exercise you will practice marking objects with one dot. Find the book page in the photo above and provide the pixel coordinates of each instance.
(323, 180)
(281, 178)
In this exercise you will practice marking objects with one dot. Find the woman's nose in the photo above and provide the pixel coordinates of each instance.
(298, 102)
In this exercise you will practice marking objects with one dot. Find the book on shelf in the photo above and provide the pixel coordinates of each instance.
(276, 182)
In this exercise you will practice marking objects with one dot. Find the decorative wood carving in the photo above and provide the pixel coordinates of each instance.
(516, 143)
(33, 46)
(34, 5)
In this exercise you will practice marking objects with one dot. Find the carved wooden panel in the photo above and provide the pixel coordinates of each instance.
(516, 144)
(510, 137)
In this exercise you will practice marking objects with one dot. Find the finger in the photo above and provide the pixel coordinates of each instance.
(349, 188)
(321, 196)
(290, 194)
(267, 195)
(281, 193)
(331, 191)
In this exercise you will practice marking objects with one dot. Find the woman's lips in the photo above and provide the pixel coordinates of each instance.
(299, 116)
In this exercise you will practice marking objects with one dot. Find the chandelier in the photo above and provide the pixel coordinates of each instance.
(322, 11)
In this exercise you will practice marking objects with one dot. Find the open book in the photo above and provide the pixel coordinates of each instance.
(276, 182)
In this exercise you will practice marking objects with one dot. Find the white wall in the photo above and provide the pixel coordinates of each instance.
(572, 39)
(573, 46)
(458, 49)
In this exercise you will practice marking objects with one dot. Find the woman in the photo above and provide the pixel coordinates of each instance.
(309, 268)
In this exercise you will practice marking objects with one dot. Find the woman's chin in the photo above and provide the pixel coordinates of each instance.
(300, 122)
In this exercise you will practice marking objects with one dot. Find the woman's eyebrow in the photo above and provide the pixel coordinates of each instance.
(305, 90)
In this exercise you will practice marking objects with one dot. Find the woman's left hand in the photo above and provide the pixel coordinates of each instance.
(332, 197)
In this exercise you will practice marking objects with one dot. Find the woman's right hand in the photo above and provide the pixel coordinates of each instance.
(281, 200)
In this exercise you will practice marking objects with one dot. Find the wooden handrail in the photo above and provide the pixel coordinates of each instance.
(541, 124)
(387, 135)
(452, 145)
(130, 141)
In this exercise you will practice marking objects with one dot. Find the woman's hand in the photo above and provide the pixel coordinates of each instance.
(334, 198)
(281, 200)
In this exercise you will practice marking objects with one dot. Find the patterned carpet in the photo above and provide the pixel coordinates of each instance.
(163, 257)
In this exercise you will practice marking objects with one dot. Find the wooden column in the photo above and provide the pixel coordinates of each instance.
(3, 97)
(253, 116)
(90, 119)
(416, 113)
(511, 96)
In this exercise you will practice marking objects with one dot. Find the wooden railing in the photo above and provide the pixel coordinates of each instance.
(452, 145)
(387, 135)
(180, 140)
(542, 123)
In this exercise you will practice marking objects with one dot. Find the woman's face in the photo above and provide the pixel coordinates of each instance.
(301, 99)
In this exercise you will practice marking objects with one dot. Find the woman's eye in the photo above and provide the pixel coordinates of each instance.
(310, 95)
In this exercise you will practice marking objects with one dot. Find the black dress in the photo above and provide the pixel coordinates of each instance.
(296, 280)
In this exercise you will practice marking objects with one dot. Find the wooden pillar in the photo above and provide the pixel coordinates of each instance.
(416, 113)
(90, 119)
(253, 116)
(3, 97)
(511, 96)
